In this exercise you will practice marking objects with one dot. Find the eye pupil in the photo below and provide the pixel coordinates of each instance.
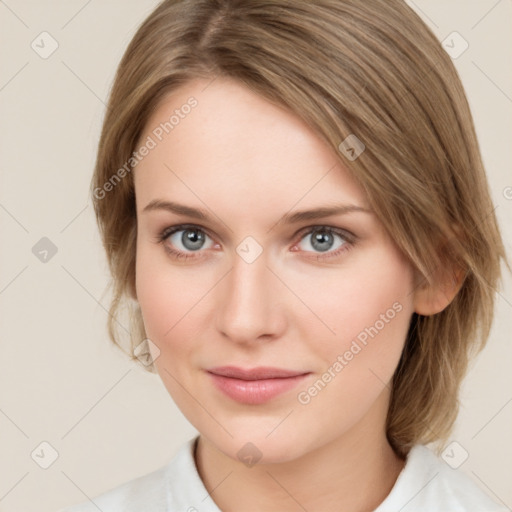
(192, 239)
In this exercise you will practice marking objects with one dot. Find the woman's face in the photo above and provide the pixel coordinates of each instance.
(273, 328)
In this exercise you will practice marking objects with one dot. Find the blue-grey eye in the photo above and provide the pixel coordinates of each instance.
(323, 240)
(191, 239)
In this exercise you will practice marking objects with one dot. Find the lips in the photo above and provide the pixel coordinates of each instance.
(254, 385)
(260, 373)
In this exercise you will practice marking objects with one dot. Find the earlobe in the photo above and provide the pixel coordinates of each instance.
(432, 298)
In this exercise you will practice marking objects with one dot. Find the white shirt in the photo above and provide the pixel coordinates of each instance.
(425, 484)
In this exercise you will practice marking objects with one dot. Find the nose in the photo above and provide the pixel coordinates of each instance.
(250, 308)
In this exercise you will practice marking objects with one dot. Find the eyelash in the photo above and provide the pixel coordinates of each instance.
(348, 238)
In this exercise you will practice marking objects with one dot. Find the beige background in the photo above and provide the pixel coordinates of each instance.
(61, 381)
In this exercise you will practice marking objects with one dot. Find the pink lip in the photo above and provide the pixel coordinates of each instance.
(255, 385)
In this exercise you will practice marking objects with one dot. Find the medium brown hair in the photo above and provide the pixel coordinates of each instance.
(370, 68)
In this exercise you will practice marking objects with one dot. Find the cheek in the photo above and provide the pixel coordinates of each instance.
(156, 293)
(367, 307)
(169, 296)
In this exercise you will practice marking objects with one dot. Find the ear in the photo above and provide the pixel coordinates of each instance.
(432, 298)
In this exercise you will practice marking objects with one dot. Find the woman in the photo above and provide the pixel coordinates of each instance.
(293, 204)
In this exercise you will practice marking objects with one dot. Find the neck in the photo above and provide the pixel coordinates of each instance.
(354, 473)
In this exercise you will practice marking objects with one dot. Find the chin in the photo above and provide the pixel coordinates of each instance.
(250, 444)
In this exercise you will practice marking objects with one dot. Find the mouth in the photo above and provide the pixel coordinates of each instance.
(254, 386)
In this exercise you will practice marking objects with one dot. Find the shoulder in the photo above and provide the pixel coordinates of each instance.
(161, 490)
(427, 483)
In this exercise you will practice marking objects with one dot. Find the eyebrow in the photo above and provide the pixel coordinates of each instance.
(288, 218)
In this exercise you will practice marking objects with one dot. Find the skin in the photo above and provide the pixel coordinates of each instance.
(248, 162)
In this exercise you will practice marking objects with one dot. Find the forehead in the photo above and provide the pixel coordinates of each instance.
(219, 140)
